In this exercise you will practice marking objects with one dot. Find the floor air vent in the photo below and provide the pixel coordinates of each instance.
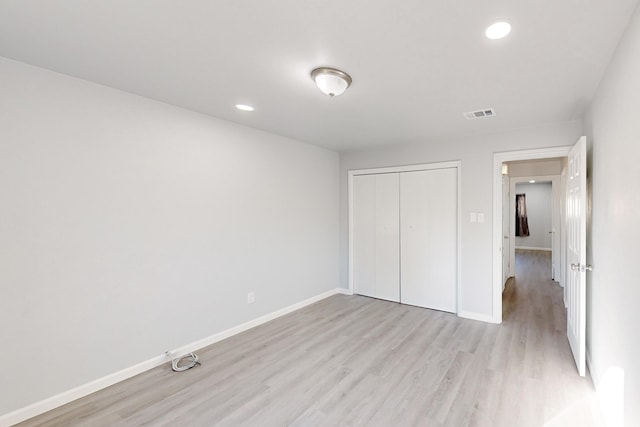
(472, 115)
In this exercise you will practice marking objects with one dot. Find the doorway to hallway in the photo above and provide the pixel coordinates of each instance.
(531, 292)
(503, 267)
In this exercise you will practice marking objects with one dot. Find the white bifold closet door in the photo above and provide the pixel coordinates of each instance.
(376, 235)
(428, 238)
(405, 236)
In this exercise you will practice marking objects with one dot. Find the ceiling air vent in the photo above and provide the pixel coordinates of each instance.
(471, 115)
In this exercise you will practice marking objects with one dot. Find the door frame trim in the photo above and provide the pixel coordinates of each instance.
(498, 159)
(410, 168)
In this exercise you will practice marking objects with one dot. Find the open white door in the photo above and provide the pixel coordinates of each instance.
(506, 230)
(576, 252)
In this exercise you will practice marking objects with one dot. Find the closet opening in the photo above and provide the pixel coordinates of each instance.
(404, 239)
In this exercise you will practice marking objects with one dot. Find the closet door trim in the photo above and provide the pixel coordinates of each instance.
(409, 168)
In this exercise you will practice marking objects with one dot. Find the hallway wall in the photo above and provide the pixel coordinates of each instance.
(539, 199)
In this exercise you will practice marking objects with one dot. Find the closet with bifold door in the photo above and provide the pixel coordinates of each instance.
(404, 234)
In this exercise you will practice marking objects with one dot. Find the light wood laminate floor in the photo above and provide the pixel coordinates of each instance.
(352, 360)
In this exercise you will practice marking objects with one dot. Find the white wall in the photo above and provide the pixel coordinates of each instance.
(476, 154)
(539, 199)
(613, 290)
(129, 227)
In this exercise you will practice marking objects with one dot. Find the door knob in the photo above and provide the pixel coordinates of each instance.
(579, 267)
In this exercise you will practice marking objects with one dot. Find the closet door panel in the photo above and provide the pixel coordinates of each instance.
(376, 236)
(428, 217)
(387, 259)
(364, 234)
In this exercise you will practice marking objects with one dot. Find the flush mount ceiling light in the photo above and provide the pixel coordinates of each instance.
(331, 81)
(244, 107)
(497, 30)
(533, 181)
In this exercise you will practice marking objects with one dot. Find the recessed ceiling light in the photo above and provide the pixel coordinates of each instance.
(244, 107)
(533, 181)
(497, 30)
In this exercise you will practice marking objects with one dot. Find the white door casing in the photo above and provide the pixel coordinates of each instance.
(576, 252)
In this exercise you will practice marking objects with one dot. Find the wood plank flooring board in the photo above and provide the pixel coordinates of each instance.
(353, 360)
(470, 334)
(406, 354)
(517, 349)
(443, 397)
(286, 412)
(416, 371)
(364, 402)
(398, 382)
(535, 354)
(191, 401)
(449, 329)
(500, 352)
(400, 367)
(487, 401)
(423, 381)
(472, 395)
(532, 408)
(215, 409)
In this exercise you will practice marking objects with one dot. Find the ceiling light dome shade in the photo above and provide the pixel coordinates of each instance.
(331, 81)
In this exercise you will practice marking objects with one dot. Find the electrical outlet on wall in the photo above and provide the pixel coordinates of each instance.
(251, 297)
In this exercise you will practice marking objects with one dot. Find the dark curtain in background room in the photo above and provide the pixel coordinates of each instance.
(522, 224)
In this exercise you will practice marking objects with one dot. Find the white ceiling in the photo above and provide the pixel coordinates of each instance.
(417, 65)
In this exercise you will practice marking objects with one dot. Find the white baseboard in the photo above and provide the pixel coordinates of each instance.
(65, 397)
(476, 316)
(531, 248)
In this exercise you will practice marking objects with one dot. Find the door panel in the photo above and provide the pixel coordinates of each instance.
(364, 234)
(555, 232)
(576, 252)
(387, 237)
(506, 230)
(563, 232)
(428, 244)
(376, 236)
